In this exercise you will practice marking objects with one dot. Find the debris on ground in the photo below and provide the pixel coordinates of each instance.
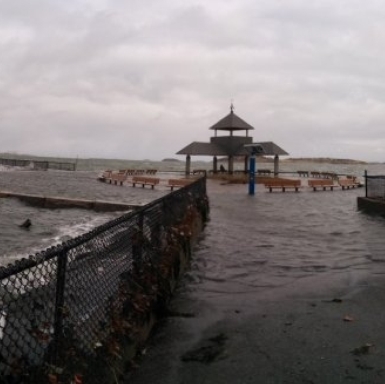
(211, 350)
(363, 350)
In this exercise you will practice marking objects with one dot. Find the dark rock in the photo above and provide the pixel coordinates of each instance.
(26, 224)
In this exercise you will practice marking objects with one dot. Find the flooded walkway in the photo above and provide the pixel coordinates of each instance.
(284, 288)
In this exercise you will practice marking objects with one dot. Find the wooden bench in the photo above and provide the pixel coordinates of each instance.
(152, 181)
(321, 183)
(178, 183)
(265, 172)
(113, 177)
(329, 175)
(352, 177)
(283, 184)
(119, 177)
(105, 176)
(348, 183)
(303, 173)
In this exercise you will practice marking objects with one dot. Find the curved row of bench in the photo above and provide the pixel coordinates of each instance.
(317, 174)
(318, 184)
(120, 178)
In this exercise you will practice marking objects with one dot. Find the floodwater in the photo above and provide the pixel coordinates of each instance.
(50, 227)
(249, 238)
(257, 255)
(254, 250)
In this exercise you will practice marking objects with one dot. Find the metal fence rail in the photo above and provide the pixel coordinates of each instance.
(375, 186)
(67, 312)
(39, 164)
(62, 166)
(15, 162)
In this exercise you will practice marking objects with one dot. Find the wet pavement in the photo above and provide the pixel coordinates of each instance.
(283, 288)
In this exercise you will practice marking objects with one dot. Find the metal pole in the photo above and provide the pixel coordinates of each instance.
(59, 304)
(252, 175)
(188, 165)
(366, 183)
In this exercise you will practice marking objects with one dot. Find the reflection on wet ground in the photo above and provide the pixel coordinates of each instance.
(261, 256)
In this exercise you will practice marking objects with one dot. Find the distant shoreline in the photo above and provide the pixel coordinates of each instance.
(326, 160)
(261, 159)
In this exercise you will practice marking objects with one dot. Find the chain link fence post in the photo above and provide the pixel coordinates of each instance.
(59, 305)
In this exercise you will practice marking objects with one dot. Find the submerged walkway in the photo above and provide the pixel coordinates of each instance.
(283, 288)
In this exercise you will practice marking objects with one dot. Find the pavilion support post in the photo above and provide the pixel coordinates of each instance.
(231, 165)
(276, 165)
(215, 165)
(188, 165)
(246, 164)
(252, 175)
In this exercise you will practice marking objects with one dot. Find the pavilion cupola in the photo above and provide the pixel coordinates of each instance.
(231, 123)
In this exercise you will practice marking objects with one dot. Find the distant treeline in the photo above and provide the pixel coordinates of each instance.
(328, 160)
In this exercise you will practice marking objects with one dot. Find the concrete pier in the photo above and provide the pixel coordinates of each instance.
(53, 202)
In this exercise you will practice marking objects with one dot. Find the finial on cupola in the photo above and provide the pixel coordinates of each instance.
(231, 107)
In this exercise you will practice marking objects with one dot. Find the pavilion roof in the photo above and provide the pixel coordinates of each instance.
(231, 122)
(272, 149)
(202, 149)
(211, 149)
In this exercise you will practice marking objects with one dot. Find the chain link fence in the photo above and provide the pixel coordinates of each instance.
(375, 186)
(75, 312)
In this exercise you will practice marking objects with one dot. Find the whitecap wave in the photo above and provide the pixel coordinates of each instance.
(61, 234)
(9, 168)
(71, 230)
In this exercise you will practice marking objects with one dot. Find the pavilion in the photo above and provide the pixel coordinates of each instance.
(230, 146)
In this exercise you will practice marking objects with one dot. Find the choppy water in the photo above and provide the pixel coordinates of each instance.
(307, 215)
(51, 227)
(254, 248)
(272, 239)
(256, 254)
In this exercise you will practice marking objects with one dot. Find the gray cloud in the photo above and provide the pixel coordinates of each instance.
(145, 78)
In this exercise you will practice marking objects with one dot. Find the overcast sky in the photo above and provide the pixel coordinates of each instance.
(144, 78)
